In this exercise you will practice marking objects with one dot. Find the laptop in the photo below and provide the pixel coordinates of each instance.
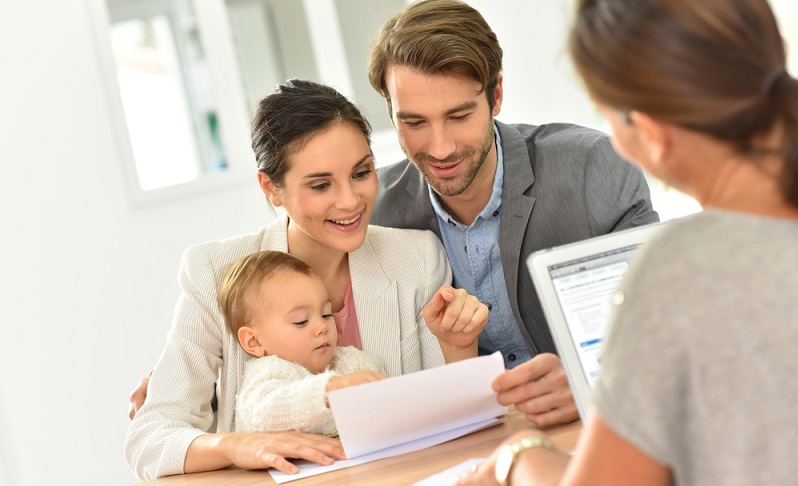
(576, 284)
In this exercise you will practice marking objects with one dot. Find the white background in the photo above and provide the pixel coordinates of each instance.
(89, 280)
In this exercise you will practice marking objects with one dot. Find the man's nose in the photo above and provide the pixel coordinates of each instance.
(441, 144)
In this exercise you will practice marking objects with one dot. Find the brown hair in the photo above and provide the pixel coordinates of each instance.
(437, 37)
(245, 276)
(286, 119)
(713, 66)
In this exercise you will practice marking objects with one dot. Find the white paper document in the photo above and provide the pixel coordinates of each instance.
(411, 412)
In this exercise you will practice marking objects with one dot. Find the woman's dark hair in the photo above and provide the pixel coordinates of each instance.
(713, 66)
(286, 119)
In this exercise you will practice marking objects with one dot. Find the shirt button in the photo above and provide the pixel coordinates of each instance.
(496, 213)
(490, 307)
(511, 357)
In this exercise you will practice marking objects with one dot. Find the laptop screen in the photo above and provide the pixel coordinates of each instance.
(584, 289)
(575, 284)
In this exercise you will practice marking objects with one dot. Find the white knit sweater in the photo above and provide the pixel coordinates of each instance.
(279, 395)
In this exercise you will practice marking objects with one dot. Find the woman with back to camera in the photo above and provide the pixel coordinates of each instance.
(698, 380)
(389, 289)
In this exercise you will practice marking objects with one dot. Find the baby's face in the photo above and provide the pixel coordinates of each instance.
(292, 317)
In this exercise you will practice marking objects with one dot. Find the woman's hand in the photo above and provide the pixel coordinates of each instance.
(485, 472)
(137, 396)
(261, 450)
(456, 318)
(359, 378)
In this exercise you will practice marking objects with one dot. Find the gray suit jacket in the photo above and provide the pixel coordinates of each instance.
(562, 183)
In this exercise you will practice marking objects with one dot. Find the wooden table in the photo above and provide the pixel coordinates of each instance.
(401, 470)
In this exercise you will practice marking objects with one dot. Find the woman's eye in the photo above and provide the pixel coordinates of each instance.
(362, 174)
(320, 187)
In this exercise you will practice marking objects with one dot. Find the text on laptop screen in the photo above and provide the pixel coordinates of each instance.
(584, 290)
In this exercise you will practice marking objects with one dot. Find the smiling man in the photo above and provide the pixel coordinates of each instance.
(494, 193)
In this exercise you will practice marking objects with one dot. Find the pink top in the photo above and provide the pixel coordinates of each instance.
(346, 321)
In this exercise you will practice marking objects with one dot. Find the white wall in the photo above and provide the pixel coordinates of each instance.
(88, 281)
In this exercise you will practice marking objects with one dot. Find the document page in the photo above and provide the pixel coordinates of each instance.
(411, 412)
(386, 413)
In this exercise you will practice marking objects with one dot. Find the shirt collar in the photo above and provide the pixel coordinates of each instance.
(495, 201)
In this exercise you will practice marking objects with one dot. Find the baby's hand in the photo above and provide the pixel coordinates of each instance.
(358, 378)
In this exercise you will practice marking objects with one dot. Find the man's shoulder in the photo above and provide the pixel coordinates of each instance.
(393, 174)
(556, 135)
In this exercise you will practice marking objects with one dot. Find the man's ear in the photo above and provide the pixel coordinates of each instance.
(655, 136)
(498, 96)
(269, 189)
(250, 342)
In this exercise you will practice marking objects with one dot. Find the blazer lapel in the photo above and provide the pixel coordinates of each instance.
(418, 213)
(276, 235)
(516, 207)
(377, 308)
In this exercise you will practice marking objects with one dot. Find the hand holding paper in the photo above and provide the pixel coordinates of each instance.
(382, 414)
(411, 412)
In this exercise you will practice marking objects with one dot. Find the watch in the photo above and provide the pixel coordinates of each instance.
(509, 453)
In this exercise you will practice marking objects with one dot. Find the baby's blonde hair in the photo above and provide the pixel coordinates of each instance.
(245, 276)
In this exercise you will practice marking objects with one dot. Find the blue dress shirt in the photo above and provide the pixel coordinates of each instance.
(474, 254)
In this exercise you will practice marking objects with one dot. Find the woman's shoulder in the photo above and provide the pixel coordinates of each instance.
(712, 234)
(230, 249)
(385, 236)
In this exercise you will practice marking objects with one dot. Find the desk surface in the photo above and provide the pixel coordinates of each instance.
(403, 469)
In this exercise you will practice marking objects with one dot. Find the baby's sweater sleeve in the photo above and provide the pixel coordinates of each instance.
(277, 395)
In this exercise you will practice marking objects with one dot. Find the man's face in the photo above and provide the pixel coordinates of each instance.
(445, 128)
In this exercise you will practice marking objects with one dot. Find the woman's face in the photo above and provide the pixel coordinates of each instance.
(629, 140)
(329, 190)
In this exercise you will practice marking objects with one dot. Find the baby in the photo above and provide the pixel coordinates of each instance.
(280, 311)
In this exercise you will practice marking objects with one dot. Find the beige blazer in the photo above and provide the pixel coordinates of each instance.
(394, 275)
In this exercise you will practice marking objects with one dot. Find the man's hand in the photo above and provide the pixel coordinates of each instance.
(539, 389)
(138, 395)
(456, 318)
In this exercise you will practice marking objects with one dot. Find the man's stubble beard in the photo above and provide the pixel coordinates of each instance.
(460, 183)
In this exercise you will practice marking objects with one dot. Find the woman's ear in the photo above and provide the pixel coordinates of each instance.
(269, 189)
(251, 342)
(655, 136)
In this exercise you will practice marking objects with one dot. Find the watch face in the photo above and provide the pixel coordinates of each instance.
(504, 460)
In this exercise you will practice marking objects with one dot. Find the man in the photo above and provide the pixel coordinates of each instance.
(494, 193)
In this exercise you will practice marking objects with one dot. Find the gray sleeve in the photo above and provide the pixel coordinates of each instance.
(607, 173)
(643, 390)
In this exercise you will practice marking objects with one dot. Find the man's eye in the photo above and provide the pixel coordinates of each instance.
(461, 117)
(413, 124)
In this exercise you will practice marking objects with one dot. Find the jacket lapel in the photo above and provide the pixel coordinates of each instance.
(516, 207)
(377, 307)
